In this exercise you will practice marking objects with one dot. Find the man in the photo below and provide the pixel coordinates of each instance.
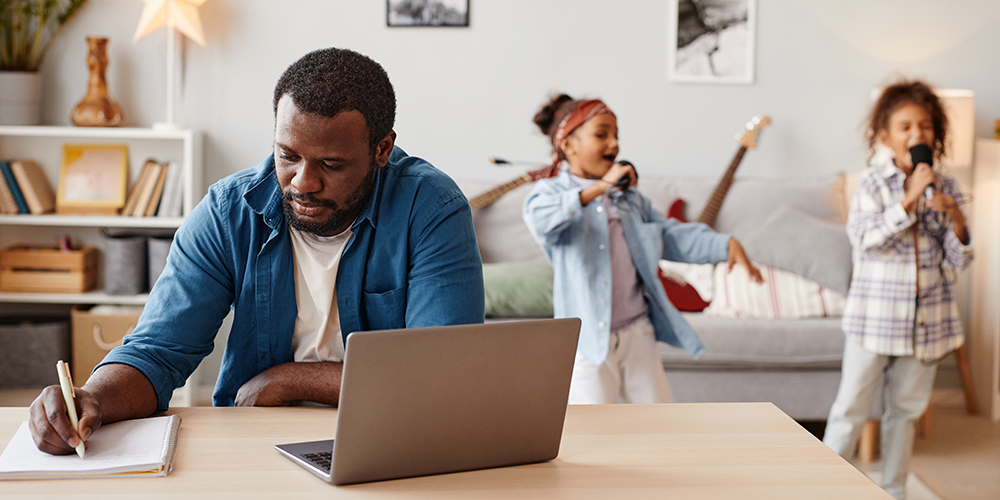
(337, 231)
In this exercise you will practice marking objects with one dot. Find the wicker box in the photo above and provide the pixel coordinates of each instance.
(29, 349)
(47, 270)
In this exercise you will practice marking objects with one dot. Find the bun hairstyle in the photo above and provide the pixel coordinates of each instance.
(553, 112)
(907, 92)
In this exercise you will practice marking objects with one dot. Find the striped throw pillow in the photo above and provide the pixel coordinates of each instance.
(783, 295)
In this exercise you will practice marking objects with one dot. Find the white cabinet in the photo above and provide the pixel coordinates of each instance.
(984, 338)
(44, 145)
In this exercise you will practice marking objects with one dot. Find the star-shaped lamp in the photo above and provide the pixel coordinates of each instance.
(180, 15)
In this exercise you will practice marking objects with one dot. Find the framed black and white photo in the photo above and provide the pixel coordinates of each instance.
(427, 12)
(711, 41)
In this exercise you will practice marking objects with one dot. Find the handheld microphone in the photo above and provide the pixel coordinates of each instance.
(921, 153)
(625, 179)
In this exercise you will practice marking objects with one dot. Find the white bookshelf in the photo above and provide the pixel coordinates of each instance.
(44, 145)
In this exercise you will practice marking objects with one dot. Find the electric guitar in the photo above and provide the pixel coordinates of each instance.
(682, 295)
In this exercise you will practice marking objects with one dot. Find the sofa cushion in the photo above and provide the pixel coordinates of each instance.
(750, 200)
(795, 241)
(500, 229)
(518, 289)
(741, 343)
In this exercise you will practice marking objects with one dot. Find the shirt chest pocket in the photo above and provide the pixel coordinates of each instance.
(385, 310)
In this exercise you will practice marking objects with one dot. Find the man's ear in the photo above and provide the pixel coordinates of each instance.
(384, 149)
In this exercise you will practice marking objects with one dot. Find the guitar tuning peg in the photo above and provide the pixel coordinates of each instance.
(756, 120)
(739, 137)
(749, 126)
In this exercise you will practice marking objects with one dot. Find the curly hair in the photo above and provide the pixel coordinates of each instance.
(907, 92)
(553, 112)
(329, 81)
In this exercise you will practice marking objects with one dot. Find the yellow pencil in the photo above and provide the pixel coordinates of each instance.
(66, 382)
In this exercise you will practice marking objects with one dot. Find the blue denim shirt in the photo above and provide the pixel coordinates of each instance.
(575, 240)
(411, 261)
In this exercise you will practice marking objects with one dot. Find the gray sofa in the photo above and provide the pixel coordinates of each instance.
(794, 363)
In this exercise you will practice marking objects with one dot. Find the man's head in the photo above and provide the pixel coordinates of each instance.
(334, 111)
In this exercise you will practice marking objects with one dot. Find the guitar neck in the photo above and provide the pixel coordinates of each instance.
(711, 209)
(488, 198)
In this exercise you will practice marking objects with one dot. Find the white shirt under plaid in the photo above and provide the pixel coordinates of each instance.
(883, 312)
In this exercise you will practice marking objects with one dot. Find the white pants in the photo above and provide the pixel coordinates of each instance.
(632, 372)
(906, 391)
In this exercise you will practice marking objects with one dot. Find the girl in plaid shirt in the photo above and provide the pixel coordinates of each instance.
(900, 317)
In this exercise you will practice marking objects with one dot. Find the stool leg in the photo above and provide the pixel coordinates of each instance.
(965, 374)
(924, 424)
(868, 447)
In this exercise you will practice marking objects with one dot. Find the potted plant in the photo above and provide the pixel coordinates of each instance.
(27, 28)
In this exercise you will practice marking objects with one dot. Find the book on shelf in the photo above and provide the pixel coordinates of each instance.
(154, 199)
(146, 189)
(131, 448)
(35, 187)
(15, 190)
(7, 203)
(170, 201)
(133, 193)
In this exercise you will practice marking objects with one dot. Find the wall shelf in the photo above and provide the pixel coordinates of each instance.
(91, 221)
(87, 298)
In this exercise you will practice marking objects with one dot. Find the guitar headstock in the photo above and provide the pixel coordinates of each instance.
(748, 138)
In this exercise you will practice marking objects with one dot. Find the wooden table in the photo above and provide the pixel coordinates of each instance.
(703, 451)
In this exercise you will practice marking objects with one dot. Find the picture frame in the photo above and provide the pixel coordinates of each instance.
(93, 178)
(427, 13)
(711, 41)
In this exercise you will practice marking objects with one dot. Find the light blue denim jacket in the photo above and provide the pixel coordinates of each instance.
(575, 240)
(411, 261)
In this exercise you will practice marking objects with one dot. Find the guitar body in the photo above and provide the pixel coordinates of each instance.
(683, 296)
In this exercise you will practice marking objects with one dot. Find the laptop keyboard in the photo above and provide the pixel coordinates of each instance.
(322, 459)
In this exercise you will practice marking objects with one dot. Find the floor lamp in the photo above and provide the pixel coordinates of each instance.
(175, 15)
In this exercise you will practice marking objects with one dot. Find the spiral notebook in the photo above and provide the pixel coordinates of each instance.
(131, 448)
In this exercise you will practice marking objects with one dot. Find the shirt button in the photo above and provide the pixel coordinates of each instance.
(605, 283)
(601, 324)
(600, 209)
(572, 212)
(635, 250)
(602, 246)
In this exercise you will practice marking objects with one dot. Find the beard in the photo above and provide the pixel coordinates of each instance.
(339, 216)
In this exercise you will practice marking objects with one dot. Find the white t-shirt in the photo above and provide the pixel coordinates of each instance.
(317, 326)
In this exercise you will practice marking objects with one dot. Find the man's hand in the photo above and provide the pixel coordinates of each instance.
(49, 423)
(286, 383)
(738, 256)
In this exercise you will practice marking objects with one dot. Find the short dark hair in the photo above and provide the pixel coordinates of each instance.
(908, 92)
(329, 81)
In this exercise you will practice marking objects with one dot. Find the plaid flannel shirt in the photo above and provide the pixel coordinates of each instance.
(883, 312)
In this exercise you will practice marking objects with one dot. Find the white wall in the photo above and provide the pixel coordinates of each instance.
(465, 94)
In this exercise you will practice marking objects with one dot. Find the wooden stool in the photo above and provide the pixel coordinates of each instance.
(868, 447)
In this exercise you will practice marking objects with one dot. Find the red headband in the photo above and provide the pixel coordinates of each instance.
(583, 111)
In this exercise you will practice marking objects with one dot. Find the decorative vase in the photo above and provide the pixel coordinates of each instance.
(21, 98)
(97, 109)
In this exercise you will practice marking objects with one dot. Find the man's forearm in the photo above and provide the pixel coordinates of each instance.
(122, 391)
(285, 383)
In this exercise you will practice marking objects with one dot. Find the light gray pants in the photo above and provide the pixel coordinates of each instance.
(906, 392)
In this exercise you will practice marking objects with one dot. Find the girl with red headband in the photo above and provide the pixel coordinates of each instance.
(605, 243)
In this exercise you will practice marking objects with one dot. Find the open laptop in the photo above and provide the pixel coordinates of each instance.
(426, 401)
